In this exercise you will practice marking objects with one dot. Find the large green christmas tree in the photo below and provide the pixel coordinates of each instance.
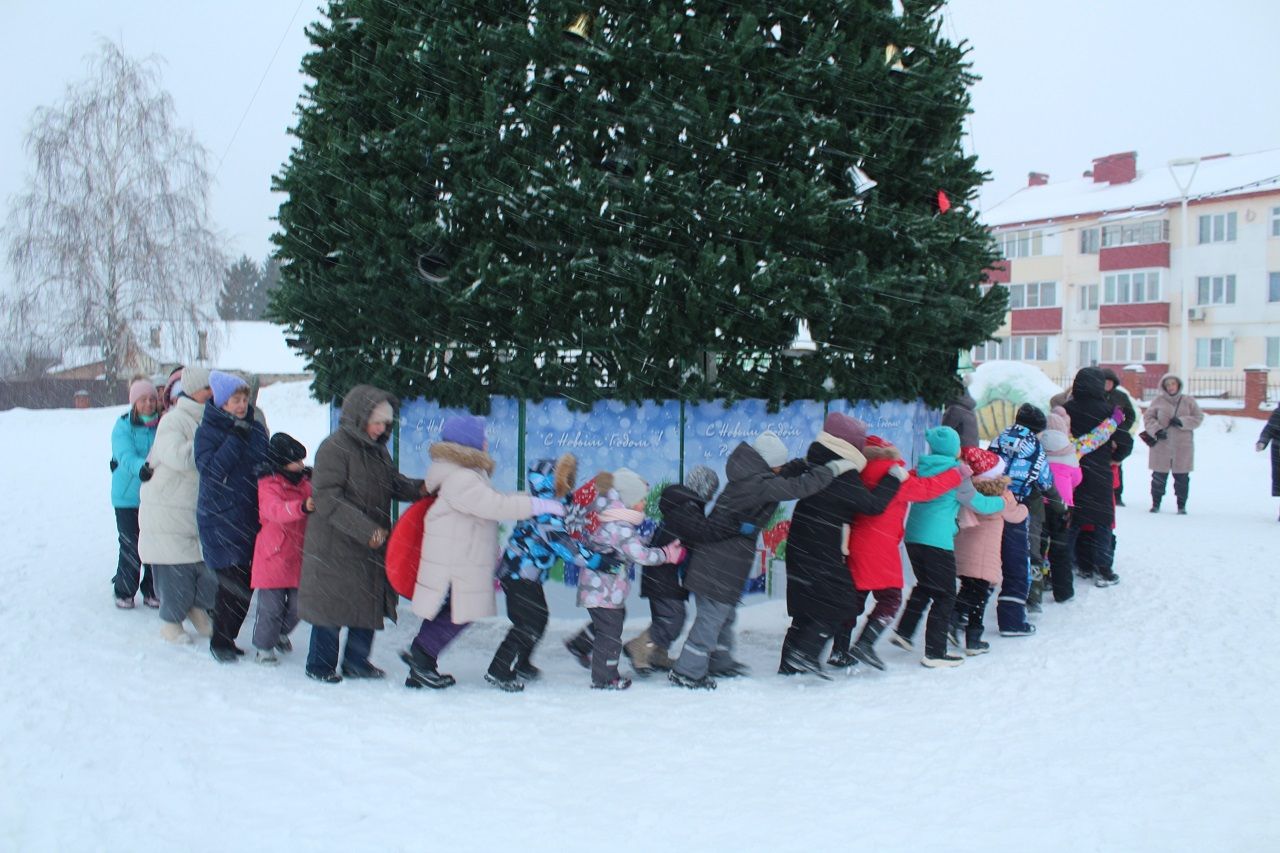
(636, 200)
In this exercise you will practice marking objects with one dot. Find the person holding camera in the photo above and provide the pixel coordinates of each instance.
(1169, 422)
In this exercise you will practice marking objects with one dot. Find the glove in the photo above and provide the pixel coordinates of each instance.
(1260, 446)
(145, 472)
(242, 426)
(547, 506)
(675, 552)
(840, 466)
(899, 472)
(1117, 415)
(1161, 434)
(114, 466)
(965, 471)
(1175, 422)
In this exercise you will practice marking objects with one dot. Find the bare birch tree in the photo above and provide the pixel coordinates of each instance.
(112, 229)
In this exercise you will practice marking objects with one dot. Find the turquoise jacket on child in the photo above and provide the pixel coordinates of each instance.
(933, 523)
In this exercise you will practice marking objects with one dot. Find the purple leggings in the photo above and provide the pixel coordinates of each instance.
(435, 634)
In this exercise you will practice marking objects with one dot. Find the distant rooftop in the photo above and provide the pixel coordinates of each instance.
(1109, 189)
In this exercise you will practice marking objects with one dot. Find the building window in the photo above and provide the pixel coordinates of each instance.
(202, 351)
(1275, 222)
(1218, 228)
(1273, 287)
(1036, 294)
(1273, 352)
(1130, 346)
(1136, 234)
(1021, 244)
(1213, 352)
(1090, 240)
(1216, 290)
(1126, 288)
(1088, 351)
(991, 351)
(1017, 348)
(1088, 297)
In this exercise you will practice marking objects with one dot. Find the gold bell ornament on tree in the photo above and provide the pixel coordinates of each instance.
(580, 29)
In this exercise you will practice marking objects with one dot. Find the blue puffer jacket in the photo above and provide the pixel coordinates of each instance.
(227, 507)
(130, 444)
(1027, 465)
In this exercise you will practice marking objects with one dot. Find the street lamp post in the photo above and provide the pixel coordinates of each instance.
(1184, 187)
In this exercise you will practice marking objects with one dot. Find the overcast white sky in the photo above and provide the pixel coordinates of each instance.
(1064, 82)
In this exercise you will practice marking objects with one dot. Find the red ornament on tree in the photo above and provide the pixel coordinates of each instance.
(944, 203)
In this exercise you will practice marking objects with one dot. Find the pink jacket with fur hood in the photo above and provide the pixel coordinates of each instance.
(277, 552)
(460, 534)
(978, 546)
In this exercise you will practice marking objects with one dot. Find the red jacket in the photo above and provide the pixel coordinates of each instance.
(277, 554)
(873, 544)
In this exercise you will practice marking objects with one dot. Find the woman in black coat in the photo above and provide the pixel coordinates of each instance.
(1271, 435)
(820, 591)
(1094, 514)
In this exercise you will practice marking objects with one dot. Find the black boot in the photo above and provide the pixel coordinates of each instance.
(840, 657)
(973, 642)
(422, 670)
(580, 645)
(864, 649)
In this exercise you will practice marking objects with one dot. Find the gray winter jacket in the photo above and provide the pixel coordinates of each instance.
(718, 570)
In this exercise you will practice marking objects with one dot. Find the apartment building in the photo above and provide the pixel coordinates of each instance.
(1101, 270)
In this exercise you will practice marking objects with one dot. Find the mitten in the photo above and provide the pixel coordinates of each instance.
(115, 464)
(965, 471)
(1175, 422)
(840, 466)
(675, 552)
(145, 472)
(1117, 415)
(899, 472)
(547, 506)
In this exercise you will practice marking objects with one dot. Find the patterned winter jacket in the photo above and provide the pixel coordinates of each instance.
(618, 536)
(1028, 467)
(537, 543)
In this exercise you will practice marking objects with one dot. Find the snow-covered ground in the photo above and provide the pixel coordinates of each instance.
(1141, 717)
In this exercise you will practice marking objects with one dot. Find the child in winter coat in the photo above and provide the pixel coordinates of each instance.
(978, 546)
(930, 538)
(131, 439)
(230, 445)
(603, 588)
(284, 502)
(875, 558)
(460, 547)
(532, 549)
(684, 518)
(1028, 470)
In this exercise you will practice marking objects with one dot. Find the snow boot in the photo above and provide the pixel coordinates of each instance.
(794, 663)
(507, 685)
(324, 677)
(526, 671)
(363, 670)
(659, 659)
(864, 649)
(172, 633)
(618, 683)
(946, 660)
(285, 645)
(953, 630)
(422, 670)
(579, 645)
(151, 601)
(199, 618)
(704, 683)
(973, 642)
(840, 657)
(124, 603)
(224, 654)
(1025, 630)
(729, 669)
(266, 658)
(902, 642)
(1106, 578)
(1036, 595)
(639, 651)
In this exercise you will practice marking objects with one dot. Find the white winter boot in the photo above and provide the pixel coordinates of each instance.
(172, 633)
(200, 621)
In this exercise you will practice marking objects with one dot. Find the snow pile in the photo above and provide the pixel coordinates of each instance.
(1129, 722)
(290, 408)
(1013, 381)
(258, 347)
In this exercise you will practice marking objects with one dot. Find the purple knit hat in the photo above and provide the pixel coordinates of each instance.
(224, 385)
(846, 428)
(467, 430)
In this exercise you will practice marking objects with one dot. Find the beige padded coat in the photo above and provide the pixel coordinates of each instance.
(167, 533)
(1176, 453)
(460, 534)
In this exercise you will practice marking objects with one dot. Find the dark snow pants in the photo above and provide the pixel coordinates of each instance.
(1181, 487)
(128, 565)
(230, 606)
(667, 617)
(711, 636)
(606, 650)
(971, 604)
(527, 610)
(1061, 554)
(887, 603)
(935, 571)
(1015, 569)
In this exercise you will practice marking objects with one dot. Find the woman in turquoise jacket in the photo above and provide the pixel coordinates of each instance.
(131, 440)
(930, 537)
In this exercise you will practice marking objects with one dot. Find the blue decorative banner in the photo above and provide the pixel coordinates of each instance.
(897, 421)
(644, 437)
(420, 424)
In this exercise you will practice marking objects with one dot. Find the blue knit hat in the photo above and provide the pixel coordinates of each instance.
(943, 441)
(467, 430)
(224, 385)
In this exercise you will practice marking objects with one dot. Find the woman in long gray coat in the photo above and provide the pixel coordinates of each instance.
(344, 579)
(1170, 419)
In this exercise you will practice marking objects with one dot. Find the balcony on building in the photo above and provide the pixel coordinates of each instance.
(1137, 239)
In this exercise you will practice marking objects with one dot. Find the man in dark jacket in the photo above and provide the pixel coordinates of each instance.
(820, 591)
(1122, 438)
(759, 479)
(961, 416)
(1094, 513)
